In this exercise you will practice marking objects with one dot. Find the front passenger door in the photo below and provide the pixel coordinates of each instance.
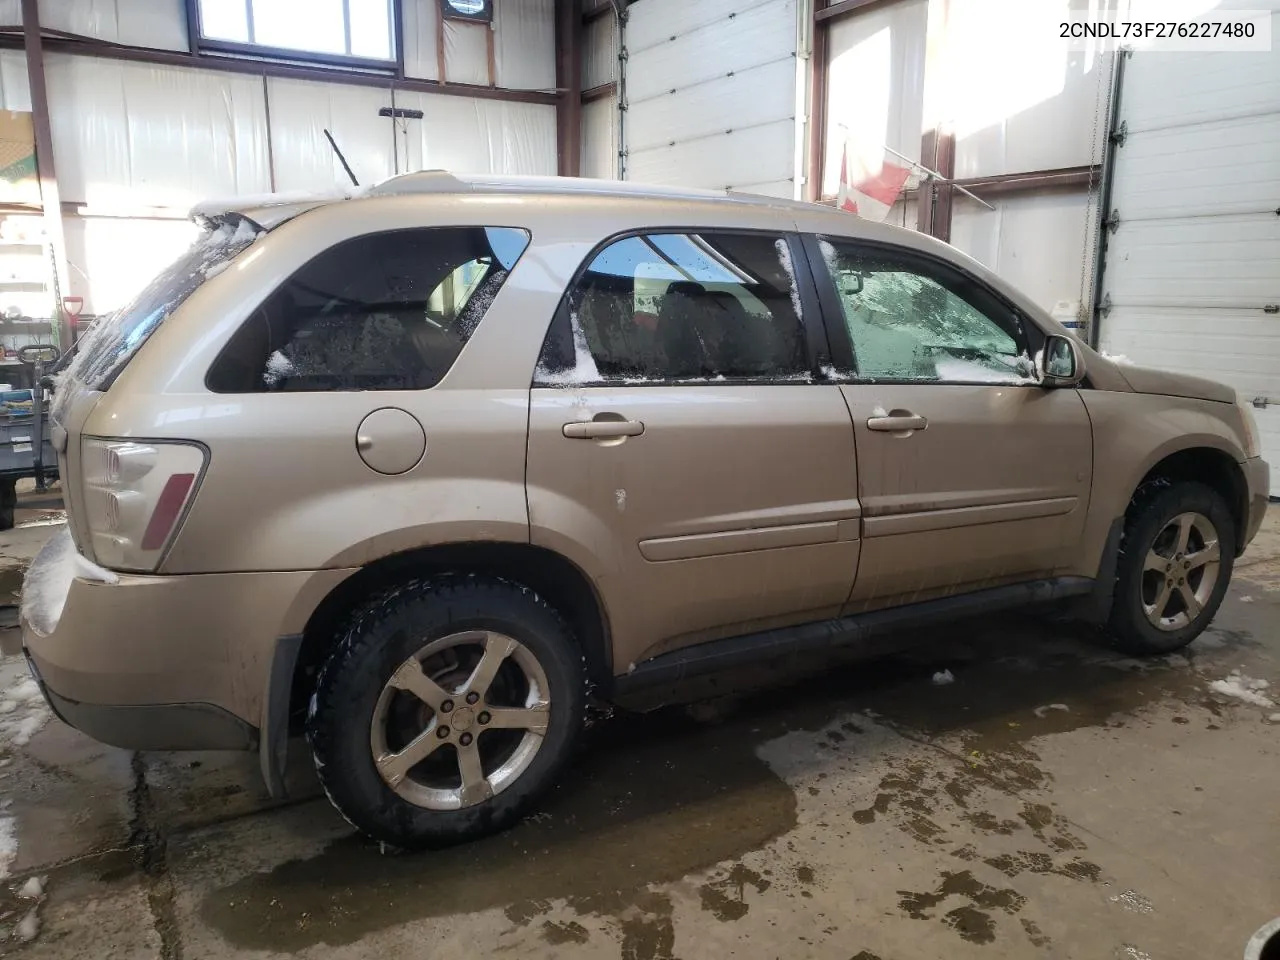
(970, 474)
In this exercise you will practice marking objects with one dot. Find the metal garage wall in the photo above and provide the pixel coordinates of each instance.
(600, 138)
(1193, 266)
(711, 94)
(1041, 243)
(875, 85)
(15, 94)
(142, 23)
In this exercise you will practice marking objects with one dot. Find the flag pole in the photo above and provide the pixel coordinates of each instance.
(929, 170)
(937, 176)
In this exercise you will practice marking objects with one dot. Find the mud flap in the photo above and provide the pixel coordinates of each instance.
(273, 734)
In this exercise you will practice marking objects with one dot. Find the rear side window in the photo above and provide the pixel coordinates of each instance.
(384, 311)
(680, 307)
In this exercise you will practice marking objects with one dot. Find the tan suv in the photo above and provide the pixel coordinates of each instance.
(423, 471)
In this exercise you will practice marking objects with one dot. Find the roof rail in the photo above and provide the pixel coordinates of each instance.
(442, 181)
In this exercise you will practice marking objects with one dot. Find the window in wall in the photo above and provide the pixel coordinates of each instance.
(680, 307)
(386, 311)
(330, 28)
(908, 322)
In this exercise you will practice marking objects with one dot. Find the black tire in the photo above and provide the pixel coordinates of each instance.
(8, 503)
(1152, 510)
(384, 634)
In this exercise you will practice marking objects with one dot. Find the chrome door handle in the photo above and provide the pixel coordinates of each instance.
(901, 422)
(603, 429)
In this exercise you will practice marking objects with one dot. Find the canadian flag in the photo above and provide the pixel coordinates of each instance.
(869, 192)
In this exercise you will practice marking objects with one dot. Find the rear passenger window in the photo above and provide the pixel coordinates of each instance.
(386, 311)
(680, 307)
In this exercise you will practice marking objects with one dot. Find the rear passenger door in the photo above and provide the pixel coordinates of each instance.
(680, 450)
(971, 474)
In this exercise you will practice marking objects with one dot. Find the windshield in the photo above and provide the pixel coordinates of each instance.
(114, 338)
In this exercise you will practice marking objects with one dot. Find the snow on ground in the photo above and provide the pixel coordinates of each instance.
(1243, 688)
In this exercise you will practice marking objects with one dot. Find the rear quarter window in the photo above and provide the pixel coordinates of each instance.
(384, 311)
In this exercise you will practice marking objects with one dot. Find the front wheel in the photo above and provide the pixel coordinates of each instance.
(445, 710)
(1174, 569)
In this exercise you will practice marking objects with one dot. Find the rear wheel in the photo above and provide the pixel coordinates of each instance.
(1174, 569)
(446, 709)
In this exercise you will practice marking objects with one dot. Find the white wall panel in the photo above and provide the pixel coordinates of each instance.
(1041, 243)
(467, 135)
(525, 44)
(745, 156)
(599, 138)
(15, 93)
(875, 87)
(131, 133)
(11, 12)
(707, 108)
(420, 19)
(1016, 96)
(695, 57)
(599, 52)
(466, 52)
(711, 92)
(143, 23)
(300, 113)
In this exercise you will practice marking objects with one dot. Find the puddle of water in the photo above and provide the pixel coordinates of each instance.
(657, 797)
(652, 799)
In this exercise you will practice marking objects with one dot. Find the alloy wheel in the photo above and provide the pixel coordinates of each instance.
(460, 720)
(1180, 570)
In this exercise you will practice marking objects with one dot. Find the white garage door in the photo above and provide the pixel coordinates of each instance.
(711, 94)
(1192, 271)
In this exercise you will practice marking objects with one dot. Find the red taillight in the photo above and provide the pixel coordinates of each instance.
(168, 506)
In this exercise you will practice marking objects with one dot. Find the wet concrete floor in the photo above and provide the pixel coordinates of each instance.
(1054, 800)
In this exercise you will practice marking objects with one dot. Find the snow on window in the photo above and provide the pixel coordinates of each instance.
(1117, 358)
(784, 257)
(971, 371)
(278, 367)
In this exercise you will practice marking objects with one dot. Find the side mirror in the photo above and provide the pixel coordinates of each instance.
(851, 284)
(1060, 363)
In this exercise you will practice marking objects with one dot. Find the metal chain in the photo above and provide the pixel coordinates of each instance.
(1095, 218)
(1086, 281)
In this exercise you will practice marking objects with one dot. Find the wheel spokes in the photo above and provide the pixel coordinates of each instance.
(532, 718)
(1161, 602)
(1185, 523)
(475, 787)
(496, 650)
(395, 766)
(1210, 553)
(1155, 561)
(1189, 598)
(409, 677)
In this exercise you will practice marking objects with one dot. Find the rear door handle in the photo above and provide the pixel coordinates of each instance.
(603, 429)
(901, 422)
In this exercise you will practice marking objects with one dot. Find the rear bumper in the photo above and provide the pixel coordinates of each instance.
(167, 726)
(1258, 479)
(166, 662)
